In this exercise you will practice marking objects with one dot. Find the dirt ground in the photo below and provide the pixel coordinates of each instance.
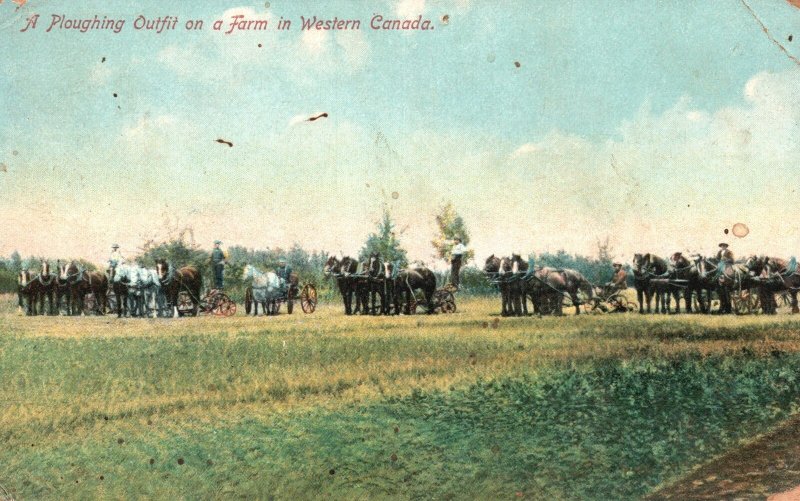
(768, 468)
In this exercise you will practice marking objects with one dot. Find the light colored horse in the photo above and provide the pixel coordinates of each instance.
(267, 288)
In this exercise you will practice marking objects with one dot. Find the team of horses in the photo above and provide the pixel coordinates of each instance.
(375, 286)
(545, 287)
(138, 291)
(696, 278)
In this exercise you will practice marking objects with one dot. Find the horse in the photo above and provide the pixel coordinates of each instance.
(390, 271)
(27, 290)
(651, 278)
(153, 299)
(119, 284)
(136, 280)
(266, 287)
(186, 279)
(685, 270)
(379, 281)
(80, 282)
(498, 268)
(343, 270)
(774, 275)
(706, 273)
(46, 287)
(410, 280)
(733, 277)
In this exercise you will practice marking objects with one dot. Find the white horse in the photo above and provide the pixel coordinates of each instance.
(153, 298)
(267, 289)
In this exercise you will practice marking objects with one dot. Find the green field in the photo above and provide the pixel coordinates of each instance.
(468, 405)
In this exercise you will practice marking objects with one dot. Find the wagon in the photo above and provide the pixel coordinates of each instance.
(444, 301)
(307, 295)
(607, 300)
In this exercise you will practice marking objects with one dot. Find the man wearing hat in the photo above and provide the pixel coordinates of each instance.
(284, 271)
(619, 281)
(456, 259)
(116, 258)
(218, 261)
(725, 255)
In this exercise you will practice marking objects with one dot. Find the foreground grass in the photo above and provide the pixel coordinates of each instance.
(374, 407)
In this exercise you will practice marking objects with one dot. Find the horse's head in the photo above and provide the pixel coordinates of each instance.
(638, 262)
(388, 270)
(375, 265)
(45, 268)
(518, 264)
(23, 277)
(332, 266)
(755, 264)
(247, 272)
(492, 264)
(348, 265)
(162, 269)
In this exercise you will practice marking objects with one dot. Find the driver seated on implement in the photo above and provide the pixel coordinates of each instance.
(115, 259)
(284, 272)
(619, 282)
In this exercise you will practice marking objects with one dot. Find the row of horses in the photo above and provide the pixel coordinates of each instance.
(137, 291)
(378, 287)
(545, 287)
(696, 278)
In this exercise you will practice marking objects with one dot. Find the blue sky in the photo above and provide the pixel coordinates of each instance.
(617, 121)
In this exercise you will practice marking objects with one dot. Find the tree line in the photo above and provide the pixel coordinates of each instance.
(309, 264)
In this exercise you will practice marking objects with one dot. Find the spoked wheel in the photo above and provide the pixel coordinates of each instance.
(448, 307)
(185, 304)
(308, 298)
(248, 300)
(745, 301)
(594, 305)
(445, 300)
(223, 306)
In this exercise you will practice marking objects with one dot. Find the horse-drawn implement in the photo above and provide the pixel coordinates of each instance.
(270, 291)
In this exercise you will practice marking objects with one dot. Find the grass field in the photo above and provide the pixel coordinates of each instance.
(448, 406)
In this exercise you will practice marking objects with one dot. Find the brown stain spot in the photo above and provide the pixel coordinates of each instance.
(259, 46)
(180, 461)
(490, 58)
(105, 418)
(485, 325)
(496, 449)
(397, 429)
(152, 461)
(210, 462)
(791, 38)
(446, 19)
(15, 153)
(332, 472)
(120, 441)
(102, 477)
(740, 230)
(395, 195)
(393, 457)
(116, 95)
(266, 5)
(103, 60)
(149, 423)
(3, 168)
(725, 231)
(516, 63)
(496, 323)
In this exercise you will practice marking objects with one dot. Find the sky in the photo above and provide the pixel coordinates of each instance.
(549, 125)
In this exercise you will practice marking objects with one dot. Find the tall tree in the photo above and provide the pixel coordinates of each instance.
(385, 243)
(450, 225)
(15, 262)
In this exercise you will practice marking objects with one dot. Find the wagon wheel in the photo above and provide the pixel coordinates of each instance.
(618, 303)
(445, 296)
(743, 301)
(290, 293)
(308, 298)
(89, 304)
(185, 304)
(223, 306)
(593, 305)
(248, 300)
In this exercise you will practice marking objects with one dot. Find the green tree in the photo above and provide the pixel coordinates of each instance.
(450, 225)
(385, 243)
(15, 262)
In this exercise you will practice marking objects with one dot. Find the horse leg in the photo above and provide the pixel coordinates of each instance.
(574, 296)
(793, 301)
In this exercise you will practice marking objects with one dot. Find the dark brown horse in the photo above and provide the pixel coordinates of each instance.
(75, 283)
(410, 280)
(173, 282)
(774, 275)
(46, 288)
(685, 273)
(380, 285)
(706, 281)
(651, 279)
(733, 278)
(498, 269)
(344, 270)
(27, 291)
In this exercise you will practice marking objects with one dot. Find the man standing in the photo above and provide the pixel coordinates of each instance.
(218, 261)
(116, 258)
(725, 255)
(456, 259)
